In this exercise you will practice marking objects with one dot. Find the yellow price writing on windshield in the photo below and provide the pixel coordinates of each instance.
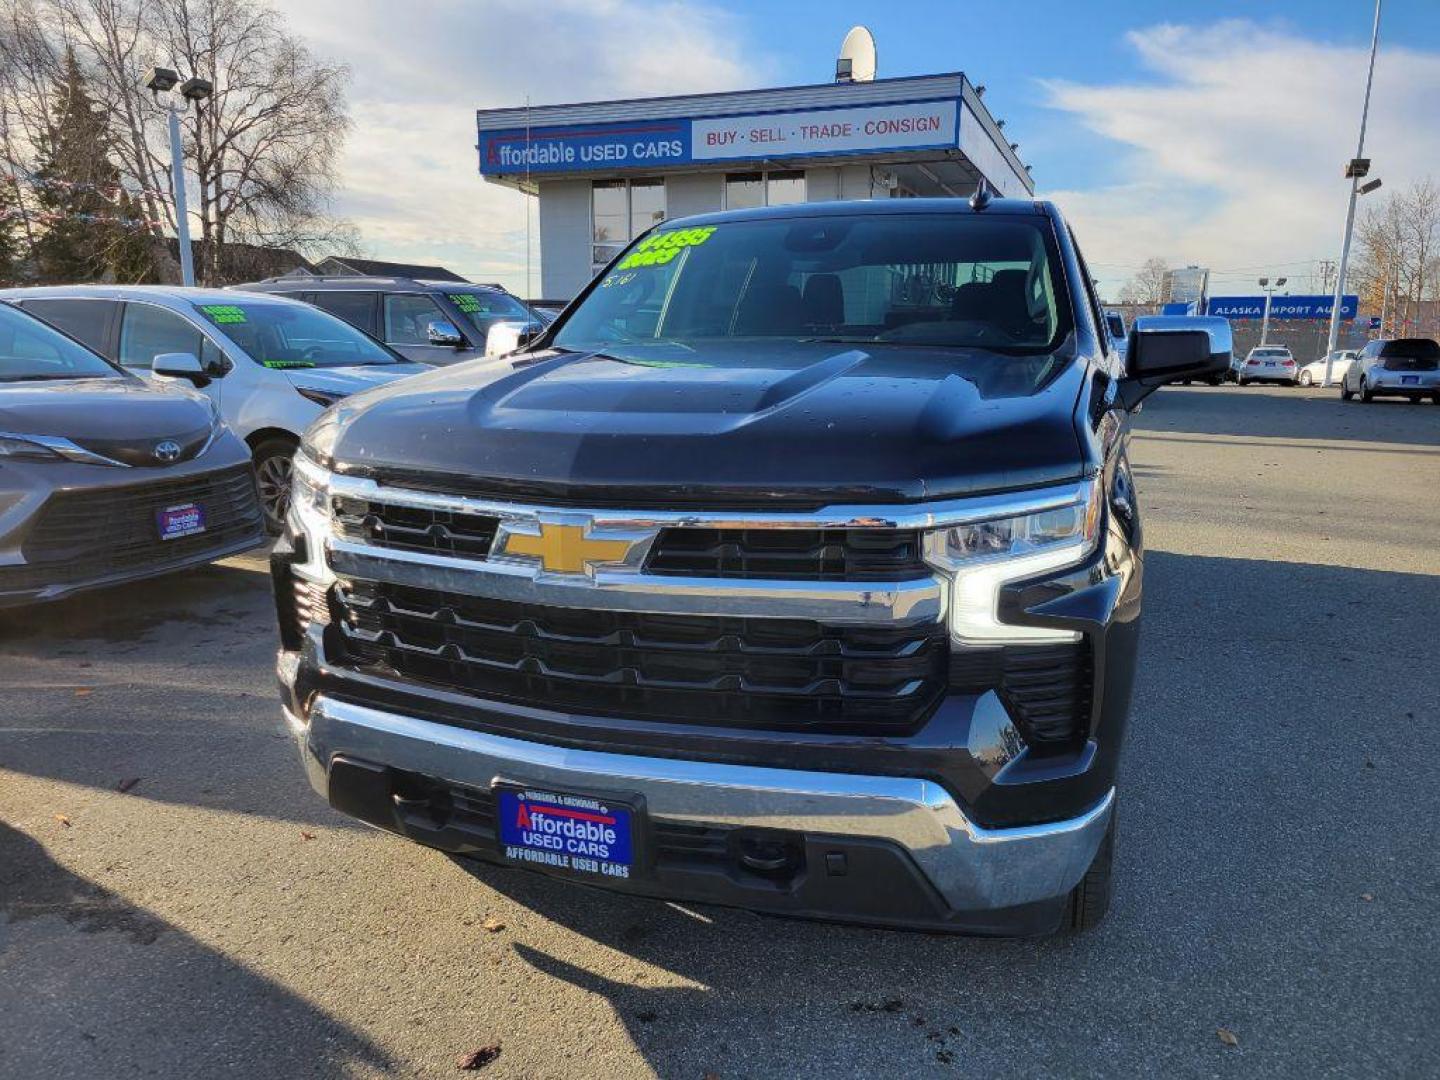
(659, 248)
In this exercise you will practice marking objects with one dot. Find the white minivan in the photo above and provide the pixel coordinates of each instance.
(271, 365)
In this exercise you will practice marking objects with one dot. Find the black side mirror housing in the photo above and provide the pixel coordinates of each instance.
(1166, 348)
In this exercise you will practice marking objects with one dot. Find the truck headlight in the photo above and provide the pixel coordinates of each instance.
(981, 557)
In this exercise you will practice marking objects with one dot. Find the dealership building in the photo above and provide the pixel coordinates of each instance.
(606, 171)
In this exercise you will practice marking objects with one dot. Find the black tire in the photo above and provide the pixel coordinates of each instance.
(1215, 380)
(1242, 382)
(272, 472)
(1365, 395)
(1345, 392)
(1435, 399)
(1090, 900)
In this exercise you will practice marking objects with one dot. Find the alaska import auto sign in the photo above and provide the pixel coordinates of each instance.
(901, 126)
(1282, 307)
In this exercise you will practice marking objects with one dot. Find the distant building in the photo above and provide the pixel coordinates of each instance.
(1186, 285)
(238, 262)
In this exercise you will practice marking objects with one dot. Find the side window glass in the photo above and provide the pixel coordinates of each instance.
(148, 331)
(408, 316)
(84, 320)
(1097, 317)
(356, 308)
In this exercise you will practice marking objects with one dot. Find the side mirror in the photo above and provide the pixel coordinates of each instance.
(1167, 348)
(180, 365)
(506, 337)
(441, 332)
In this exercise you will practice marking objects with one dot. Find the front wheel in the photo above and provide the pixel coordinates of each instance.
(1090, 900)
(1306, 379)
(273, 463)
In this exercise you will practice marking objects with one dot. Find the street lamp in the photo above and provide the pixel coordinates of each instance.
(1355, 172)
(1269, 295)
(159, 81)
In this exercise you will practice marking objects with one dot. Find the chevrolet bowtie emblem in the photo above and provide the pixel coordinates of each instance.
(565, 549)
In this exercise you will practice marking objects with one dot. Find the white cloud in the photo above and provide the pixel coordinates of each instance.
(409, 177)
(1231, 154)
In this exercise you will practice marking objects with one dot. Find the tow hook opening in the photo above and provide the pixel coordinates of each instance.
(771, 855)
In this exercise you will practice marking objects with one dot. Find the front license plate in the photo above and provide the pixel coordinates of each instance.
(557, 831)
(173, 522)
(1409, 380)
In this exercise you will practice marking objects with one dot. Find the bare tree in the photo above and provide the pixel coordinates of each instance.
(262, 149)
(1148, 284)
(1397, 264)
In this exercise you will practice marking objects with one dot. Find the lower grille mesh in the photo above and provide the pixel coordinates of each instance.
(776, 674)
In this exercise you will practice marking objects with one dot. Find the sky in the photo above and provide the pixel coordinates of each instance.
(1206, 133)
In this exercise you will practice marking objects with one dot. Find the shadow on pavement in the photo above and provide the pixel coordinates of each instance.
(1270, 784)
(168, 682)
(1288, 413)
(93, 986)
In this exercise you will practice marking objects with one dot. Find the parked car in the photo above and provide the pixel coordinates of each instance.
(1395, 367)
(793, 591)
(1313, 373)
(547, 310)
(105, 478)
(271, 365)
(1267, 363)
(433, 322)
(1115, 324)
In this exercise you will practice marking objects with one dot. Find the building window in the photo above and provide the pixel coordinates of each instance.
(744, 190)
(621, 210)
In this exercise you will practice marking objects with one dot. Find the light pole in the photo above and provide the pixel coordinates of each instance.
(1269, 295)
(161, 81)
(1354, 172)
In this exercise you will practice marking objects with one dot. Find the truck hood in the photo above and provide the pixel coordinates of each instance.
(802, 422)
(351, 380)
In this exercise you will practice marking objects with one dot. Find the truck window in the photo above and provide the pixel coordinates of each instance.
(953, 281)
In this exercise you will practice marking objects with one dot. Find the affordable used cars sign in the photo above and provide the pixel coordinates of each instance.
(646, 144)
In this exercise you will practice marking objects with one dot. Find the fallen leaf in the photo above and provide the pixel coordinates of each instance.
(63, 820)
(492, 924)
(711, 1076)
(945, 1057)
(126, 785)
(1367, 896)
(306, 835)
(1228, 1037)
(478, 1059)
(83, 691)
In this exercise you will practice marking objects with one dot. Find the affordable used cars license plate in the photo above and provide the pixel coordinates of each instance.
(559, 831)
(187, 519)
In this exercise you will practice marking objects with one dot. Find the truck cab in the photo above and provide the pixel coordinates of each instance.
(796, 566)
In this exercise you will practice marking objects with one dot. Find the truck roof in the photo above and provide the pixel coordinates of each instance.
(868, 207)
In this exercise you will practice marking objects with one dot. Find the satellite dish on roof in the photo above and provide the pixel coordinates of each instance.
(856, 62)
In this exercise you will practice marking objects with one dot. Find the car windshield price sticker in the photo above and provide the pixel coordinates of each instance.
(566, 832)
(659, 248)
(465, 302)
(221, 314)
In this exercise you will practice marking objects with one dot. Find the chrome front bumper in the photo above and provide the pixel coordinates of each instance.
(973, 868)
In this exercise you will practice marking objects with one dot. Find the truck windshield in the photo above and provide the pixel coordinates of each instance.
(960, 281)
(31, 350)
(293, 335)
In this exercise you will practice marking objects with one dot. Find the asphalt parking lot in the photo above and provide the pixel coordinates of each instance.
(175, 902)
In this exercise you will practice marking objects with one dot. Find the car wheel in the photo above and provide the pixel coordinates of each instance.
(1345, 392)
(1215, 380)
(1306, 379)
(1242, 382)
(1090, 900)
(1365, 395)
(1435, 399)
(272, 459)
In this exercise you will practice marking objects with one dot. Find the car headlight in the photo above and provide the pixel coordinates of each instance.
(323, 398)
(981, 557)
(318, 442)
(309, 488)
(18, 448)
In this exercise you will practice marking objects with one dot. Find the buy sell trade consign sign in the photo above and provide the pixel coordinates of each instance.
(868, 129)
